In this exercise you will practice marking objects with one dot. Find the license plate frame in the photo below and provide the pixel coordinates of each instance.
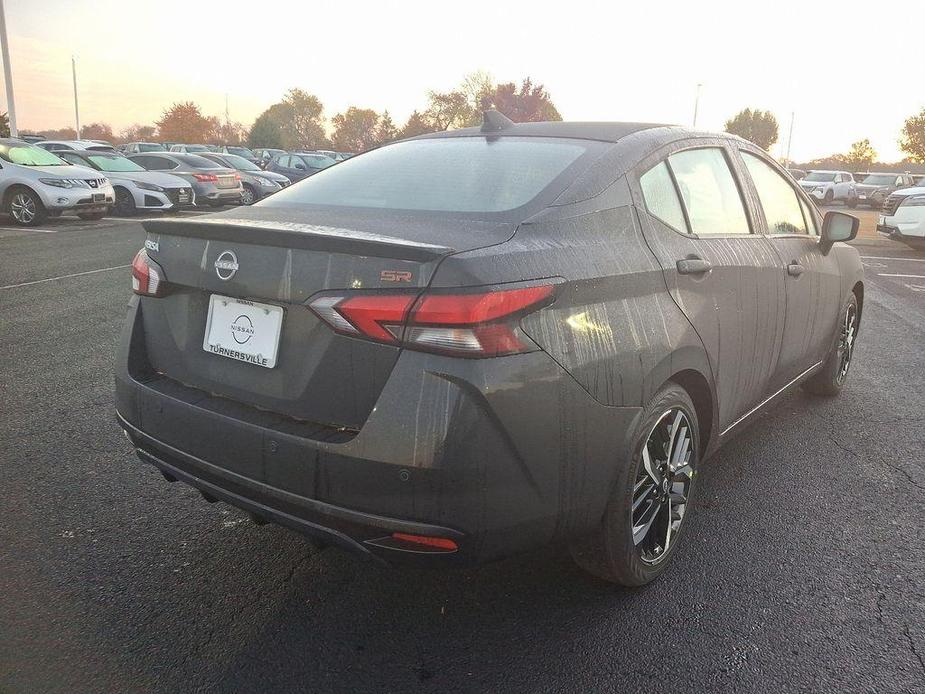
(230, 319)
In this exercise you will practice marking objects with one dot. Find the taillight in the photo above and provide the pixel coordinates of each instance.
(237, 177)
(147, 276)
(471, 324)
(205, 178)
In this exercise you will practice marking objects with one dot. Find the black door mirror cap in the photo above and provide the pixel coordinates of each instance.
(838, 227)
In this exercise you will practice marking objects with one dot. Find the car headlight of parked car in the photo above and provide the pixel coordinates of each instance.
(914, 201)
(64, 182)
(149, 186)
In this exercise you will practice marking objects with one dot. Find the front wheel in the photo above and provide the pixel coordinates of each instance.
(830, 379)
(642, 523)
(125, 203)
(828, 197)
(26, 209)
(248, 196)
(852, 203)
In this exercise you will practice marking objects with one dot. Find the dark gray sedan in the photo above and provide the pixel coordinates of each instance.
(213, 184)
(257, 183)
(478, 342)
(298, 165)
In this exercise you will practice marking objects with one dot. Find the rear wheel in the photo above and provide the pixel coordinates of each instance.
(829, 196)
(125, 203)
(248, 196)
(852, 202)
(830, 379)
(25, 208)
(642, 523)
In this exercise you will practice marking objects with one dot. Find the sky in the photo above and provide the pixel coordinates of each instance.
(843, 72)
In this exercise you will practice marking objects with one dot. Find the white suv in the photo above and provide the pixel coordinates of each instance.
(830, 186)
(35, 184)
(902, 216)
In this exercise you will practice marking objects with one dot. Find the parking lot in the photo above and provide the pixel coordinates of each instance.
(802, 569)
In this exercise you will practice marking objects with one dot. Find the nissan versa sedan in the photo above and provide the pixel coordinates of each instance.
(472, 343)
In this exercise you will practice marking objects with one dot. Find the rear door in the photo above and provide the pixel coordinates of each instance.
(725, 278)
(812, 280)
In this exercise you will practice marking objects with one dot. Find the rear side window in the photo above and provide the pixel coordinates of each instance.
(662, 197)
(709, 192)
(459, 174)
(778, 198)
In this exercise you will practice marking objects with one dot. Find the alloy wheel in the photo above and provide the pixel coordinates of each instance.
(247, 197)
(846, 342)
(662, 485)
(22, 208)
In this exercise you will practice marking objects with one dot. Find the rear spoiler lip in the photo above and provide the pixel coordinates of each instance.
(312, 237)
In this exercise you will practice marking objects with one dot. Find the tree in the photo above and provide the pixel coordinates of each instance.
(447, 110)
(912, 137)
(478, 87)
(861, 155)
(416, 125)
(97, 131)
(229, 134)
(529, 104)
(59, 134)
(137, 133)
(304, 128)
(355, 130)
(385, 129)
(759, 127)
(4, 125)
(267, 130)
(185, 123)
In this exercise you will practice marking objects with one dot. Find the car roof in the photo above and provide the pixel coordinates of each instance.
(575, 130)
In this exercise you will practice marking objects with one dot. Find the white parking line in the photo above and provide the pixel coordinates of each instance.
(880, 257)
(64, 277)
(917, 277)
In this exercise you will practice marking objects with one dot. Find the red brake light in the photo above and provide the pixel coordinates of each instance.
(427, 541)
(204, 178)
(483, 324)
(147, 276)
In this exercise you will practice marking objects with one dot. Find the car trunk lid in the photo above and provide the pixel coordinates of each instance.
(319, 376)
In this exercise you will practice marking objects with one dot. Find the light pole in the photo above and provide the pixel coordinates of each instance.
(696, 103)
(790, 137)
(7, 73)
(76, 108)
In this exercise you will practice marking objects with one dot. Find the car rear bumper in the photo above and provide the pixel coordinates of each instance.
(499, 455)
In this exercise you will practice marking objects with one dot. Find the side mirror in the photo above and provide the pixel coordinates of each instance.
(300, 167)
(837, 226)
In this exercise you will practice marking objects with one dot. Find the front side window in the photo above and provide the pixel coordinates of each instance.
(661, 196)
(709, 192)
(779, 200)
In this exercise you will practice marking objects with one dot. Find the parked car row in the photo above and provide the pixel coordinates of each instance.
(853, 189)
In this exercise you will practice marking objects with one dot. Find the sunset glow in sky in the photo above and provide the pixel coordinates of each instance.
(839, 71)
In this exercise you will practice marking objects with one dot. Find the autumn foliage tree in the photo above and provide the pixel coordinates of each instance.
(527, 104)
(296, 122)
(861, 155)
(759, 127)
(97, 131)
(184, 122)
(137, 133)
(912, 137)
(355, 130)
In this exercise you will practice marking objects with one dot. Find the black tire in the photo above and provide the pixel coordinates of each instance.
(25, 207)
(831, 378)
(828, 197)
(249, 195)
(852, 203)
(610, 552)
(125, 203)
(91, 216)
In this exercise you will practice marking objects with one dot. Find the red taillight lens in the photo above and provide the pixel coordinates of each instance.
(147, 276)
(435, 542)
(206, 178)
(237, 177)
(482, 324)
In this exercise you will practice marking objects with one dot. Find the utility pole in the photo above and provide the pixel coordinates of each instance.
(697, 103)
(790, 138)
(76, 108)
(7, 73)
(226, 109)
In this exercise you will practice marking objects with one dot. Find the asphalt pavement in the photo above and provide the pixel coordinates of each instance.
(802, 567)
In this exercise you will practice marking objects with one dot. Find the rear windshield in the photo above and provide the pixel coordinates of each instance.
(240, 151)
(197, 162)
(150, 148)
(464, 175)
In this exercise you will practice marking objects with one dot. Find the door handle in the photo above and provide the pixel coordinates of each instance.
(795, 269)
(693, 266)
